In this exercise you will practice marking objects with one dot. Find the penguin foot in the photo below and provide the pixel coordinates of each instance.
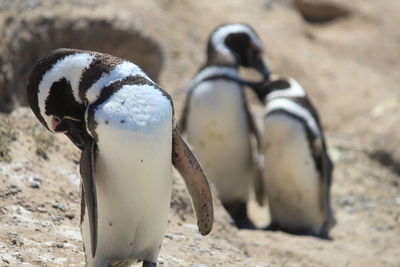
(275, 227)
(324, 236)
(271, 227)
(238, 212)
(149, 264)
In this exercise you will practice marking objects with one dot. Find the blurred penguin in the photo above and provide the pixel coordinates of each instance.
(298, 170)
(217, 119)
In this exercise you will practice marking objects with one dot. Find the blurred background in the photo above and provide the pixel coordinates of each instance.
(345, 53)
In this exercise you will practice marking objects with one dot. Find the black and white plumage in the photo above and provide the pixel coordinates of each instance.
(123, 123)
(217, 120)
(298, 170)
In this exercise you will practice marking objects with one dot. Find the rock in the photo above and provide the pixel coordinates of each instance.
(41, 209)
(35, 185)
(59, 245)
(59, 207)
(70, 215)
(320, 11)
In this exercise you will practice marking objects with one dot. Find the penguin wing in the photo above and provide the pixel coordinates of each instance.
(89, 187)
(183, 121)
(196, 182)
(258, 183)
(324, 166)
(259, 187)
(252, 125)
(328, 167)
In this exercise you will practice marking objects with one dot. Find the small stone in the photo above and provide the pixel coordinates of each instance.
(205, 251)
(169, 236)
(347, 202)
(17, 169)
(70, 215)
(59, 207)
(38, 179)
(41, 209)
(57, 218)
(35, 185)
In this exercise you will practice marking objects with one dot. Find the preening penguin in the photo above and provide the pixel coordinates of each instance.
(298, 170)
(217, 119)
(123, 123)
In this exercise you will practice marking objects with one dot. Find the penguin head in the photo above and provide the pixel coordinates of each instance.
(237, 44)
(275, 83)
(53, 94)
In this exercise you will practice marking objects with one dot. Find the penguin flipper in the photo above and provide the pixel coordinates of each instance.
(326, 165)
(259, 187)
(89, 187)
(196, 182)
(183, 121)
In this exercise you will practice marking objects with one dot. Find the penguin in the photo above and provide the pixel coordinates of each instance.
(298, 169)
(216, 118)
(123, 123)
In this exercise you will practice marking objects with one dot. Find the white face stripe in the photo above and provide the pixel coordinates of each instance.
(121, 71)
(71, 68)
(71, 118)
(296, 109)
(218, 38)
(86, 116)
(295, 90)
(211, 71)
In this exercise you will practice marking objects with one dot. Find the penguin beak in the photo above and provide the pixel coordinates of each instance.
(256, 60)
(75, 140)
(259, 65)
(75, 133)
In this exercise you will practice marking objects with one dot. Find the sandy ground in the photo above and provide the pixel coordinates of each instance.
(349, 67)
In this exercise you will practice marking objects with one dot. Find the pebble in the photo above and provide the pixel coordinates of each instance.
(59, 245)
(347, 202)
(169, 236)
(70, 215)
(58, 207)
(35, 185)
(38, 179)
(41, 209)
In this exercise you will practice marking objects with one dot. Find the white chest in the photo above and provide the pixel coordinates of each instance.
(133, 176)
(292, 181)
(217, 115)
(217, 129)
